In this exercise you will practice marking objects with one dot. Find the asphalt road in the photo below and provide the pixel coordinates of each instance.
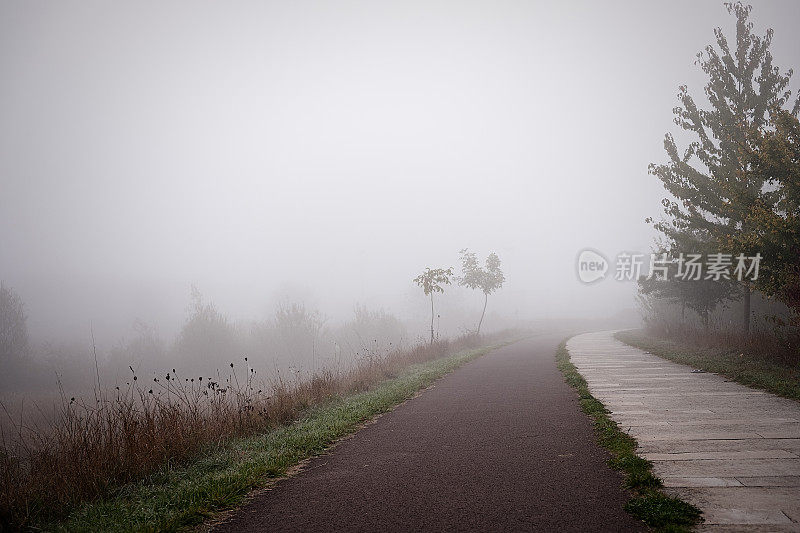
(499, 444)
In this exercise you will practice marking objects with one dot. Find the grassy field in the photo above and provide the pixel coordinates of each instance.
(648, 502)
(776, 377)
(176, 497)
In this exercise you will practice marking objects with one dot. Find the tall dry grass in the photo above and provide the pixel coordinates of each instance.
(779, 345)
(90, 446)
(773, 336)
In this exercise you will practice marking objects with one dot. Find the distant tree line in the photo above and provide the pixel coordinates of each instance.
(295, 339)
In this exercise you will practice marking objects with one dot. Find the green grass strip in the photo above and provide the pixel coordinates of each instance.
(648, 502)
(180, 497)
(780, 379)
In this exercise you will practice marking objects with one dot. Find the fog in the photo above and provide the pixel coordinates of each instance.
(326, 153)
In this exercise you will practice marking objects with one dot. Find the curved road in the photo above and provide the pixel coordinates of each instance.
(499, 444)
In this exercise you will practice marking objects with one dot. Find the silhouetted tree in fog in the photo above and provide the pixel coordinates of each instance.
(701, 296)
(431, 281)
(207, 339)
(145, 347)
(13, 329)
(298, 330)
(488, 279)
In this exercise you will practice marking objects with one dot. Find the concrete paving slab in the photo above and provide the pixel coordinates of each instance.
(678, 446)
(725, 455)
(780, 433)
(695, 481)
(748, 528)
(731, 450)
(772, 481)
(730, 467)
(677, 435)
(783, 423)
(782, 498)
(746, 516)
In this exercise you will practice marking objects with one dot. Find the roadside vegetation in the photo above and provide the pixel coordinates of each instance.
(107, 428)
(169, 458)
(743, 366)
(648, 503)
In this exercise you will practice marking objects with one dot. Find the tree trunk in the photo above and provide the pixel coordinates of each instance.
(746, 310)
(432, 318)
(485, 300)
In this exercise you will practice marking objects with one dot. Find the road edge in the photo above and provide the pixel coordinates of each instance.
(648, 502)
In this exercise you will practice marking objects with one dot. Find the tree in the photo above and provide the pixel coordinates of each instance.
(207, 339)
(488, 279)
(701, 296)
(13, 327)
(144, 347)
(299, 329)
(715, 186)
(431, 281)
(775, 155)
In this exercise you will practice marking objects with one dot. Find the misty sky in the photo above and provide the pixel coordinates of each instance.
(328, 151)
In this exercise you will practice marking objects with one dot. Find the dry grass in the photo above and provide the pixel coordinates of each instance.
(780, 345)
(90, 447)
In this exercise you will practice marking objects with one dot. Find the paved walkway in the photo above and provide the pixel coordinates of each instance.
(498, 445)
(731, 450)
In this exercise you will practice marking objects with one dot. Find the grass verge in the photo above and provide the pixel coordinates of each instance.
(177, 497)
(753, 371)
(648, 502)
